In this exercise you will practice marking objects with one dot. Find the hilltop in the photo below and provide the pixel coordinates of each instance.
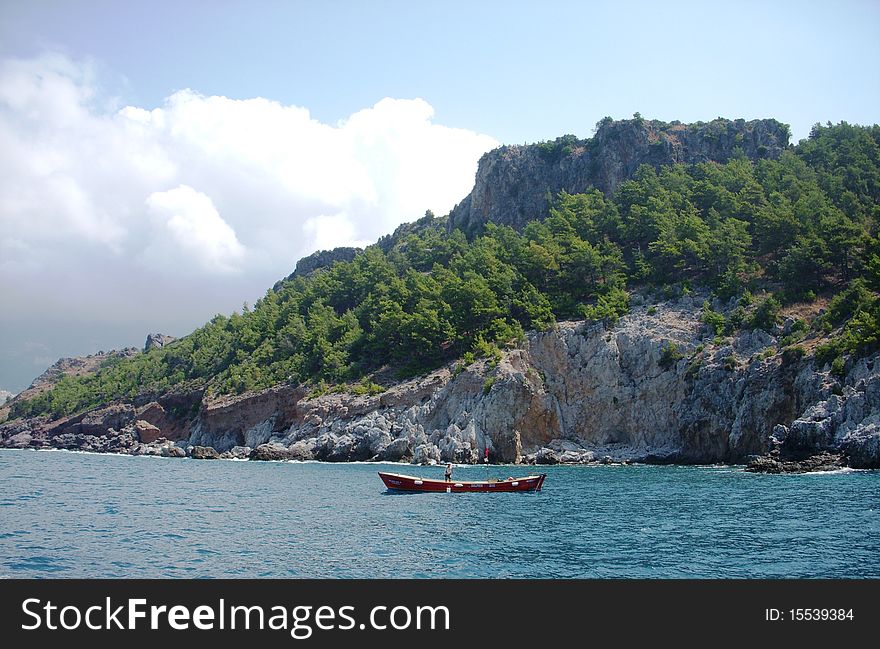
(516, 184)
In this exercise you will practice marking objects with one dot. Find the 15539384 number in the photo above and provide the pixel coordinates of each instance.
(821, 614)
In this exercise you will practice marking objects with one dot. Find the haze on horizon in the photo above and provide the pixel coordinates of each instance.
(164, 163)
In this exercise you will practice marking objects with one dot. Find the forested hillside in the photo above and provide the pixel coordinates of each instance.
(768, 232)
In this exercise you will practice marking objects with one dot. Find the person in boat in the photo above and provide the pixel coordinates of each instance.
(448, 473)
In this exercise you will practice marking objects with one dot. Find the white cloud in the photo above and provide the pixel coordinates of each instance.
(331, 230)
(188, 220)
(129, 209)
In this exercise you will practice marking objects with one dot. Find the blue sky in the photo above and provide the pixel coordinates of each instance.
(161, 162)
(519, 71)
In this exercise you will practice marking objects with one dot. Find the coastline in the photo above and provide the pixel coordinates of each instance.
(583, 393)
(739, 468)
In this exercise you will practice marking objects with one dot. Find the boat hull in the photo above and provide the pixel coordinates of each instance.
(398, 482)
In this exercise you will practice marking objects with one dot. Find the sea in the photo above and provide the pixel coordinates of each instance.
(66, 515)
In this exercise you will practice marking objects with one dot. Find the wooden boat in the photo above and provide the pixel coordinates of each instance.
(400, 482)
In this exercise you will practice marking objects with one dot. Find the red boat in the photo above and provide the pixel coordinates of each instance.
(400, 482)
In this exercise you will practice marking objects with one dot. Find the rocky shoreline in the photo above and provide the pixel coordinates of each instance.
(582, 393)
(128, 442)
(772, 463)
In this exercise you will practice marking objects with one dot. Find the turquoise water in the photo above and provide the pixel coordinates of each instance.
(79, 515)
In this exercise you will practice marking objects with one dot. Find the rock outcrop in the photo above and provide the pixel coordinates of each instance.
(848, 419)
(318, 260)
(204, 453)
(324, 259)
(513, 182)
(157, 341)
(774, 462)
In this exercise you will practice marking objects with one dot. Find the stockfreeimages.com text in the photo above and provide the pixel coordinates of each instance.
(300, 621)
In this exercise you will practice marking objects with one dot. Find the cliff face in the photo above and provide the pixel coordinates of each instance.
(579, 393)
(512, 182)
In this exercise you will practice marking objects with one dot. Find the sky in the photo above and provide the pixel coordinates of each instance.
(162, 162)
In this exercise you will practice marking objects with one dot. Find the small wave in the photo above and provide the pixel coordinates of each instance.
(78, 452)
(801, 474)
(840, 471)
(121, 564)
(97, 453)
(438, 465)
(37, 563)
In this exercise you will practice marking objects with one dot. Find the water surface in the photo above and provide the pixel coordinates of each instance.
(81, 515)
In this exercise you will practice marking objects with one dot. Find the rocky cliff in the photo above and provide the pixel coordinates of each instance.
(513, 183)
(582, 392)
(157, 341)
